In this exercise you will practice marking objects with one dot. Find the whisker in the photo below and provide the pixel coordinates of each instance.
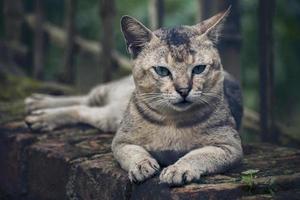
(150, 93)
(214, 95)
(208, 104)
(150, 98)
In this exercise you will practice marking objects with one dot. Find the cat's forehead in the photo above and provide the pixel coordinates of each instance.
(178, 42)
(176, 36)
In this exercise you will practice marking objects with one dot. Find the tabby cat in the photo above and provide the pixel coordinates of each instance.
(181, 111)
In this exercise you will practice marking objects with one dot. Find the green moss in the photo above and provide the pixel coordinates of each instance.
(13, 87)
(10, 111)
(13, 91)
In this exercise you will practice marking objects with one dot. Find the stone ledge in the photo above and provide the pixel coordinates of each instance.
(77, 163)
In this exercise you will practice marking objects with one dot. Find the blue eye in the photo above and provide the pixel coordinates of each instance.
(198, 69)
(162, 71)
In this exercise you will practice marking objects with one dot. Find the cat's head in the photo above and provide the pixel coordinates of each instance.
(175, 69)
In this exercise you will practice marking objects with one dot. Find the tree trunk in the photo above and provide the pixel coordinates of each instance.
(107, 14)
(69, 68)
(39, 42)
(266, 55)
(156, 13)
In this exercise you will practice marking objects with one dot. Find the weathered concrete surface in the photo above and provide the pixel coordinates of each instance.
(77, 163)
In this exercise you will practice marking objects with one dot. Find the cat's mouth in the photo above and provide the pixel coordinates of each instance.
(183, 104)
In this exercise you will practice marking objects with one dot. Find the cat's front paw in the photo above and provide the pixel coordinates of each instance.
(44, 120)
(36, 102)
(179, 174)
(143, 170)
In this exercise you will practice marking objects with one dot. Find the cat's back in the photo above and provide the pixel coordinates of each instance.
(121, 89)
(233, 95)
(115, 92)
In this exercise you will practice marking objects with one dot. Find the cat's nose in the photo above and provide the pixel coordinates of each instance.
(184, 92)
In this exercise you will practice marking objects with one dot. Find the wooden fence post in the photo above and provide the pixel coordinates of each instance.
(39, 41)
(266, 70)
(156, 13)
(230, 42)
(107, 14)
(13, 13)
(15, 52)
(69, 68)
(205, 9)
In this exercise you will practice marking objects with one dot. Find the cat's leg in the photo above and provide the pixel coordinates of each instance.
(96, 97)
(51, 118)
(136, 160)
(105, 118)
(44, 101)
(202, 161)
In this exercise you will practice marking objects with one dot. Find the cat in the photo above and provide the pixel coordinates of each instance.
(179, 110)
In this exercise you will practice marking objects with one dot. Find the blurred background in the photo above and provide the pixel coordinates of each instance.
(78, 44)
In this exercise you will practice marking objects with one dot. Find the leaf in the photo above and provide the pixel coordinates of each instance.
(250, 172)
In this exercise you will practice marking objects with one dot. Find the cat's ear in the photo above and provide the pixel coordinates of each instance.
(136, 34)
(213, 26)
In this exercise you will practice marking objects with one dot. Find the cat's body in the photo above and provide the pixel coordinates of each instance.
(184, 111)
(102, 108)
(168, 139)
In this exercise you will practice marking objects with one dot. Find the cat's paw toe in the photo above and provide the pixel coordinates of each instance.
(39, 121)
(35, 102)
(143, 170)
(39, 96)
(178, 175)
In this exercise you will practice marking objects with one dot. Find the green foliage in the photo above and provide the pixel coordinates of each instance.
(1, 20)
(249, 53)
(286, 63)
(87, 19)
(181, 13)
(247, 177)
(287, 70)
(54, 62)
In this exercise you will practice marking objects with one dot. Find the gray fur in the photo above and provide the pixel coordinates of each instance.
(189, 142)
(155, 129)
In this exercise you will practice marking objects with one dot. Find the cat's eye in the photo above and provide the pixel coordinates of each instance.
(198, 69)
(162, 71)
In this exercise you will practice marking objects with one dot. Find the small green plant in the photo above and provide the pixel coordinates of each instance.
(248, 177)
(271, 186)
